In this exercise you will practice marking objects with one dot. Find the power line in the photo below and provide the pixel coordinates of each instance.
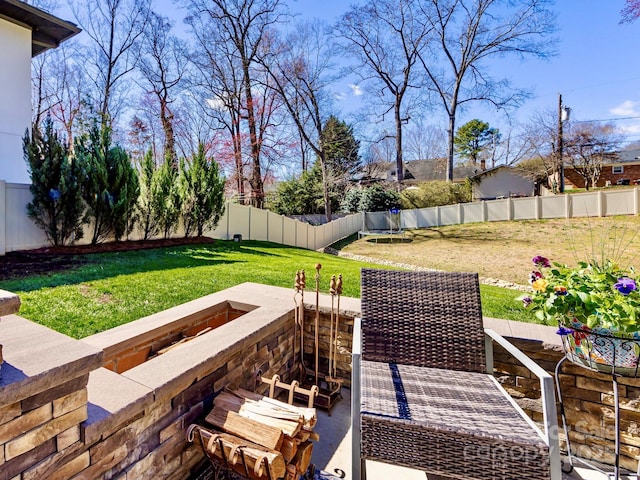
(607, 119)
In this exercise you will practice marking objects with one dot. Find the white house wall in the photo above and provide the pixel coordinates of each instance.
(15, 99)
(502, 183)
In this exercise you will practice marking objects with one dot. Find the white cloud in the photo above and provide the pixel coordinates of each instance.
(355, 89)
(340, 96)
(630, 129)
(214, 103)
(625, 109)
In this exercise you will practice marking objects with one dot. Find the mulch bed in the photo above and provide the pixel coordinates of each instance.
(55, 259)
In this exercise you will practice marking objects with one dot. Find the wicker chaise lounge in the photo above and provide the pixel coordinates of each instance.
(421, 397)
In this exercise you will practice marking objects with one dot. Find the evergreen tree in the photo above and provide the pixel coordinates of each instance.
(125, 188)
(202, 193)
(56, 205)
(375, 198)
(473, 138)
(110, 184)
(304, 194)
(145, 215)
(341, 149)
(166, 197)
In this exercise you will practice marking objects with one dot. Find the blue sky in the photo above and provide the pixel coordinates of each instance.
(596, 69)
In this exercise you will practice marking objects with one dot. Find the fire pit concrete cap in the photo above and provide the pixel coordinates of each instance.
(9, 303)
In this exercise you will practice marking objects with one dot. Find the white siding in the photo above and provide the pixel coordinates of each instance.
(15, 99)
(502, 183)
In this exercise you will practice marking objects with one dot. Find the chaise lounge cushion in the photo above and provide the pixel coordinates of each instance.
(439, 421)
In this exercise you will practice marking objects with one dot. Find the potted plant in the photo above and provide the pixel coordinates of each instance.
(597, 308)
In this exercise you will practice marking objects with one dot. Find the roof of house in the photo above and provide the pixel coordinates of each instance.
(48, 31)
(628, 156)
(516, 170)
(426, 170)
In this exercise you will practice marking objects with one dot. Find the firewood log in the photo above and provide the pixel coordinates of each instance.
(234, 447)
(252, 430)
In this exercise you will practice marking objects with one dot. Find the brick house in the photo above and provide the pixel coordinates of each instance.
(622, 169)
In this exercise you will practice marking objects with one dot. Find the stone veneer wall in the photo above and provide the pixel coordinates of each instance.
(587, 395)
(64, 416)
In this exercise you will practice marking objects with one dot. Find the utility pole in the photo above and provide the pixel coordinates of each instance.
(560, 159)
(563, 116)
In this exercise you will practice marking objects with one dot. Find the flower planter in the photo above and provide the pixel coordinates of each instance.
(601, 349)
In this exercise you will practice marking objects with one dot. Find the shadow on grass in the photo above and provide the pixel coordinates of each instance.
(85, 268)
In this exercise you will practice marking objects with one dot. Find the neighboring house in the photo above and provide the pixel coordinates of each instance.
(623, 168)
(25, 31)
(502, 182)
(415, 172)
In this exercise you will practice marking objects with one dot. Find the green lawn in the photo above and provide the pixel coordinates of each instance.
(110, 289)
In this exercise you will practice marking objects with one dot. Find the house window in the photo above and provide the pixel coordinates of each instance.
(617, 169)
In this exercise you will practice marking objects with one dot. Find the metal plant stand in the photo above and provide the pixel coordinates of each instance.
(603, 353)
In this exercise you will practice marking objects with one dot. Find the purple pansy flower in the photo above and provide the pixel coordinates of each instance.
(564, 330)
(540, 261)
(533, 276)
(625, 285)
(526, 301)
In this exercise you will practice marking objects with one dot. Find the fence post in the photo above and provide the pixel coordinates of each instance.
(460, 214)
(3, 217)
(636, 201)
(510, 208)
(228, 210)
(568, 205)
(485, 211)
(538, 207)
(601, 203)
(437, 216)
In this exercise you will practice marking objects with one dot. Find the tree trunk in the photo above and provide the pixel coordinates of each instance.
(169, 139)
(399, 164)
(325, 187)
(450, 137)
(256, 175)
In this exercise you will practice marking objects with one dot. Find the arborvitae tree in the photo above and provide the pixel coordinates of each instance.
(202, 193)
(110, 185)
(57, 205)
(166, 197)
(145, 216)
(124, 183)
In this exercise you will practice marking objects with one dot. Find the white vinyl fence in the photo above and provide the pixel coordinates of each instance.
(18, 232)
(591, 204)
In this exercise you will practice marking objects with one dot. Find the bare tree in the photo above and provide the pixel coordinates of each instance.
(424, 141)
(469, 32)
(59, 89)
(539, 146)
(298, 66)
(219, 80)
(386, 39)
(588, 146)
(631, 11)
(114, 26)
(162, 64)
(241, 25)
